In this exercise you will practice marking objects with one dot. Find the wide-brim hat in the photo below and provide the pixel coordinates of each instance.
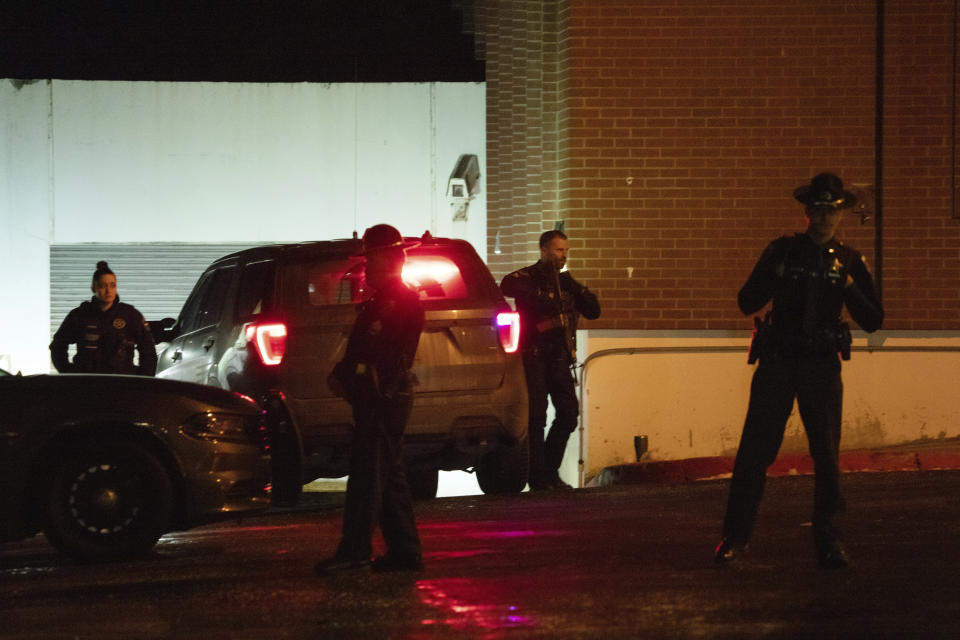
(381, 237)
(825, 190)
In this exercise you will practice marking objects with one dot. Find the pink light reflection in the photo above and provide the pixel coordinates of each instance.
(454, 598)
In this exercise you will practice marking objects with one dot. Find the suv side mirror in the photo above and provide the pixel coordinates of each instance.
(162, 330)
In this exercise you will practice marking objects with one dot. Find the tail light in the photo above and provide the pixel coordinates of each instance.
(508, 328)
(270, 341)
(434, 277)
(418, 269)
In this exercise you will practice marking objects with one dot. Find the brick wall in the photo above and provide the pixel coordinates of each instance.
(921, 269)
(669, 135)
(520, 42)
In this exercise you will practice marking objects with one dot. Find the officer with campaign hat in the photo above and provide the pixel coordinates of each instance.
(374, 377)
(810, 277)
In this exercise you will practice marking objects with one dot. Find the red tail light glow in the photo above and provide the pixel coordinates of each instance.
(508, 327)
(270, 341)
(434, 277)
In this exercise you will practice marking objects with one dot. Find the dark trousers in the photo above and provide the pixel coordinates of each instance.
(818, 389)
(548, 374)
(377, 490)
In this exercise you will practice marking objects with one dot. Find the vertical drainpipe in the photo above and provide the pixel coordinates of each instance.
(356, 153)
(878, 142)
(434, 164)
(954, 205)
(51, 169)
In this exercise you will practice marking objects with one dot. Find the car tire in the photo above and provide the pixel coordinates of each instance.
(423, 483)
(505, 470)
(108, 501)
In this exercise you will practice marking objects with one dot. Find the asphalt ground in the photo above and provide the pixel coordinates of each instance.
(625, 561)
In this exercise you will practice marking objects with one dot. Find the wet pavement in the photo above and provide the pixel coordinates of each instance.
(626, 561)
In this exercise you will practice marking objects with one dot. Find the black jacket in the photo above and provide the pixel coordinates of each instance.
(549, 320)
(807, 283)
(105, 341)
(379, 354)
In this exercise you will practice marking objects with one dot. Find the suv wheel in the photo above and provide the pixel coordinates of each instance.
(423, 483)
(108, 501)
(506, 469)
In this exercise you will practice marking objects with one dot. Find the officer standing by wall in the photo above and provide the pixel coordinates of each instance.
(810, 277)
(374, 376)
(550, 302)
(106, 332)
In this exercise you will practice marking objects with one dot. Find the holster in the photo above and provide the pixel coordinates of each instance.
(844, 340)
(762, 341)
(358, 388)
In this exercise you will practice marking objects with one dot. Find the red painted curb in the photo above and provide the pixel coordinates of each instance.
(930, 460)
(692, 469)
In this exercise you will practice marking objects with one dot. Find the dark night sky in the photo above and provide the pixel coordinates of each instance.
(238, 40)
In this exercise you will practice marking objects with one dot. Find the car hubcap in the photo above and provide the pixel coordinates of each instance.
(103, 499)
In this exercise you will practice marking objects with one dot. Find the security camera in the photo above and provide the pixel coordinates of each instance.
(463, 184)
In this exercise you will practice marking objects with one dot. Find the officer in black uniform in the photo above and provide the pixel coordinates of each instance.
(374, 376)
(106, 332)
(550, 302)
(810, 277)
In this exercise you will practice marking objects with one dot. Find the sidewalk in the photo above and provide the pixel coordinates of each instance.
(921, 455)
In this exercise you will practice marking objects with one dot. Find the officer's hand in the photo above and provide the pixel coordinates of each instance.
(336, 386)
(572, 285)
(549, 323)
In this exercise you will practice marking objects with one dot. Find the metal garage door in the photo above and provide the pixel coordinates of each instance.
(156, 278)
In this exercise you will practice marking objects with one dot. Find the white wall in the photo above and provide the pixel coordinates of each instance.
(692, 403)
(26, 221)
(219, 162)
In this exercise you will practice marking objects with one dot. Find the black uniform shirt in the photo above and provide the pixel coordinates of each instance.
(534, 289)
(383, 341)
(807, 285)
(105, 340)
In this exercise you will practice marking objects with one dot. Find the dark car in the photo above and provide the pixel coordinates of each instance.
(272, 321)
(105, 465)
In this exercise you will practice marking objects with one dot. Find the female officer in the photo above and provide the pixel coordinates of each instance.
(106, 331)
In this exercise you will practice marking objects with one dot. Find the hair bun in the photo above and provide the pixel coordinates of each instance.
(102, 265)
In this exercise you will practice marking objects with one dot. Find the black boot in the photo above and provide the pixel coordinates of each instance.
(832, 555)
(728, 550)
(392, 562)
(338, 563)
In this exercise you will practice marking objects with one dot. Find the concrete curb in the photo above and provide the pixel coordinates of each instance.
(693, 469)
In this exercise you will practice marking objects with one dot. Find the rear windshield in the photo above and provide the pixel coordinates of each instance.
(439, 274)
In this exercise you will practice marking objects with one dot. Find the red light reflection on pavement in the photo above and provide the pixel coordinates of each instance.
(471, 606)
(446, 555)
(486, 529)
(527, 533)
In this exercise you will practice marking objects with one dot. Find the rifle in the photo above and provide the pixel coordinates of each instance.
(564, 322)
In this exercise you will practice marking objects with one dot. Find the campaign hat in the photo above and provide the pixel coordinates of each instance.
(825, 190)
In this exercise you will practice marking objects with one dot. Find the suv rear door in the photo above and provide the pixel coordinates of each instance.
(460, 346)
(459, 349)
